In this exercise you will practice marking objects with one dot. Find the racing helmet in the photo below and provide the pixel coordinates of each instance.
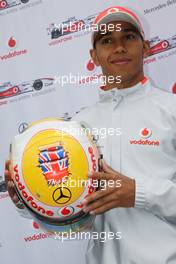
(50, 162)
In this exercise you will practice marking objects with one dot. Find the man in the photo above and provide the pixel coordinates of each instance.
(142, 156)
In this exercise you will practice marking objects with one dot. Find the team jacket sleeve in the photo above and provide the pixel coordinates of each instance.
(157, 197)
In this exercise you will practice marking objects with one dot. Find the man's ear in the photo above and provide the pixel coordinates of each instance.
(146, 48)
(94, 57)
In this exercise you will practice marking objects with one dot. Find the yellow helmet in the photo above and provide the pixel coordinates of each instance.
(50, 165)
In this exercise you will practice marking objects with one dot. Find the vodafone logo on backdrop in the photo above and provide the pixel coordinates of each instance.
(12, 45)
(92, 73)
(90, 66)
(36, 236)
(12, 42)
(35, 225)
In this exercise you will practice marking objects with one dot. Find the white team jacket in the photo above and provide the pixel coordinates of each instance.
(146, 151)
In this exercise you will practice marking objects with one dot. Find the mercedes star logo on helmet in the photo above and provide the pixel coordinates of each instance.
(62, 195)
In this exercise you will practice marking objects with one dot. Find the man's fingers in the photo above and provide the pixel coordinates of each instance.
(12, 192)
(100, 202)
(104, 208)
(103, 176)
(11, 189)
(15, 199)
(97, 195)
(7, 173)
(106, 168)
(8, 176)
(7, 164)
(10, 185)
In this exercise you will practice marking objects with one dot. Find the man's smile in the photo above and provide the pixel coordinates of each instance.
(120, 61)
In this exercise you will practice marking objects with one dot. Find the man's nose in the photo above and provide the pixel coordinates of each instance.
(119, 47)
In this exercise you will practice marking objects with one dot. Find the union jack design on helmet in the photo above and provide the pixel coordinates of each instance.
(53, 160)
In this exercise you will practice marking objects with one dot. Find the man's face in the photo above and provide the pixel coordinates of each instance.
(120, 53)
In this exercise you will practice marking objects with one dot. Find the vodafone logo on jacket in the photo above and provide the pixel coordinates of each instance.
(145, 134)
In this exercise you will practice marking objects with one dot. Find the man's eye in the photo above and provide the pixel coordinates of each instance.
(106, 41)
(130, 36)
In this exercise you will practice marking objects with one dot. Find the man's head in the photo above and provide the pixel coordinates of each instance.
(119, 46)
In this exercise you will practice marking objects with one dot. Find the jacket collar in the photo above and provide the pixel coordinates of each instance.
(138, 89)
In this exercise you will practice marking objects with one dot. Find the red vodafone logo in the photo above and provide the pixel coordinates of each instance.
(66, 211)
(35, 225)
(145, 133)
(11, 45)
(12, 42)
(90, 66)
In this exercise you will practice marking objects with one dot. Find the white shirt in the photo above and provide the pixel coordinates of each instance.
(146, 151)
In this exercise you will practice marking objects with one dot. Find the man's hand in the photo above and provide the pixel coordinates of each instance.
(10, 186)
(119, 191)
